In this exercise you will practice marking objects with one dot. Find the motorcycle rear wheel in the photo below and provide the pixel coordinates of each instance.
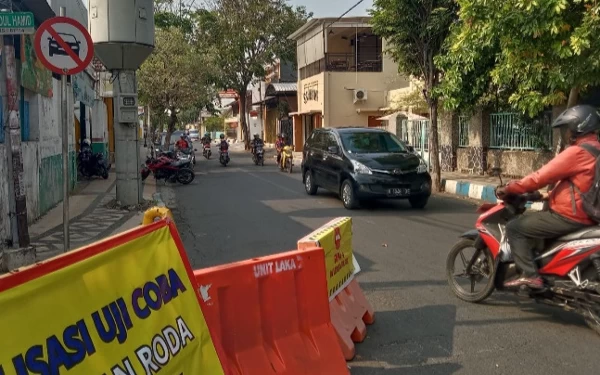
(104, 173)
(185, 176)
(483, 263)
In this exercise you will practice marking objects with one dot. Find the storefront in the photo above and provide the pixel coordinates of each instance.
(311, 107)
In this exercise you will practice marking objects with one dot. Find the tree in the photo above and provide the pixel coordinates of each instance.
(415, 31)
(542, 52)
(174, 13)
(247, 35)
(214, 124)
(175, 77)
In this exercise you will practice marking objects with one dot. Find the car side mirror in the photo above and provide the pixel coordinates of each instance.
(333, 150)
(411, 149)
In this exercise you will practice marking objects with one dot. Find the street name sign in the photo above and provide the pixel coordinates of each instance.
(64, 46)
(16, 23)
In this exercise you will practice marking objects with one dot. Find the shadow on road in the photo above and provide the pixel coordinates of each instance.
(420, 343)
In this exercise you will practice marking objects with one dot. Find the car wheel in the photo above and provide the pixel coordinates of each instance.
(348, 196)
(418, 202)
(309, 183)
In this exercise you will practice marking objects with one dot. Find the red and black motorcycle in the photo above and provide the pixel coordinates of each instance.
(570, 265)
(166, 166)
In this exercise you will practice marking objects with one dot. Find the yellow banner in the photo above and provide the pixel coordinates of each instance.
(335, 238)
(124, 306)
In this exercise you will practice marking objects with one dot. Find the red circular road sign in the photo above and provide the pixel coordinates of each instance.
(64, 46)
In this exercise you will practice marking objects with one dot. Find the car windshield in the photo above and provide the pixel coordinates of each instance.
(371, 143)
(175, 136)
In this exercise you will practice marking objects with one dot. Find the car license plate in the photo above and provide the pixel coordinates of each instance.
(398, 192)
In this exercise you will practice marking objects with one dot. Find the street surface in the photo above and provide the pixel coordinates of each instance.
(244, 211)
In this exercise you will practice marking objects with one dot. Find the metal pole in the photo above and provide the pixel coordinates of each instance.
(65, 154)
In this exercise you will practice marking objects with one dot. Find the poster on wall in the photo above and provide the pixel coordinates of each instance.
(34, 76)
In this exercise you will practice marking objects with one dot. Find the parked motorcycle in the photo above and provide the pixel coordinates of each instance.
(287, 159)
(169, 169)
(570, 264)
(259, 155)
(187, 153)
(91, 164)
(206, 152)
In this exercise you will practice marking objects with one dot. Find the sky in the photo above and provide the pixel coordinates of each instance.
(328, 8)
(334, 8)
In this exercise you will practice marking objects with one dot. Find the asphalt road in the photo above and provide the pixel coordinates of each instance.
(243, 211)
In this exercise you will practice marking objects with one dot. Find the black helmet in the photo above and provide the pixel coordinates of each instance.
(222, 136)
(581, 120)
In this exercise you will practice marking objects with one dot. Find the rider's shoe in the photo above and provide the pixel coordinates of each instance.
(534, 282)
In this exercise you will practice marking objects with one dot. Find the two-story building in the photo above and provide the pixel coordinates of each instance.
(344, 76)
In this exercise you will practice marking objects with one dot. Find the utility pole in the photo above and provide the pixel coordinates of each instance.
(122, 47)
(21, 253)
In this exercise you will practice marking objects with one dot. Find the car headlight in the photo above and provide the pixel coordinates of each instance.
(422, 168)
(360, 168)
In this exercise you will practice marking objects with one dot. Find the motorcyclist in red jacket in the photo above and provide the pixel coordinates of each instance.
(573, 173)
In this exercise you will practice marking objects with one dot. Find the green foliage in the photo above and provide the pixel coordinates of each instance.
(175, 76)
(248, 35)
(214, 124)
(537, 50)
(245, 36)
(415, 31)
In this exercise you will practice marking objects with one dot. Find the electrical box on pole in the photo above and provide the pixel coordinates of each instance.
(122, 31)
(123, 35)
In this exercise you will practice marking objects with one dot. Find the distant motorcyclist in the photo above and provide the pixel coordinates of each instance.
(280, 144)
(256, 142)
(223, 146)
(182, 143)
(206, 139)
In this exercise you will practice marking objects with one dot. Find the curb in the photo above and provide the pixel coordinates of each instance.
(158, 198)
(480, 192)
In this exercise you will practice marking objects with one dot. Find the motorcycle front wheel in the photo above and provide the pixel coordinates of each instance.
(290, 165)
(481, 271)
(104, 173)
(185, 176)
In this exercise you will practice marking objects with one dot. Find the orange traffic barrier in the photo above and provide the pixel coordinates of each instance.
(350, 310)
(271, 315)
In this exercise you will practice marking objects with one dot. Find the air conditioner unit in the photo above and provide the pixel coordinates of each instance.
(360, 95)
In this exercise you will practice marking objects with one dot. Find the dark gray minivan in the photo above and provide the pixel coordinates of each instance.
(364, 163)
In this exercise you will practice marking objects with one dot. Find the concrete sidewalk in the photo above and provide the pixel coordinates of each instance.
(476, 187)
(94, 215)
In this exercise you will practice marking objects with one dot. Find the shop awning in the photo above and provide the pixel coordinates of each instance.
(369, 110)
(409, 116)
(311, 112)
(266, 99)
(283, 88)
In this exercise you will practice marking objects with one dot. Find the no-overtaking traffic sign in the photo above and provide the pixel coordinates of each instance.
(64, 46)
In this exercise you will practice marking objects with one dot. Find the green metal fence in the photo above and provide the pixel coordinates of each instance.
(463, 131)
(508, 131)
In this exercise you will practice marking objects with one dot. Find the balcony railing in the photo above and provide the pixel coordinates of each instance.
(348, 62)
